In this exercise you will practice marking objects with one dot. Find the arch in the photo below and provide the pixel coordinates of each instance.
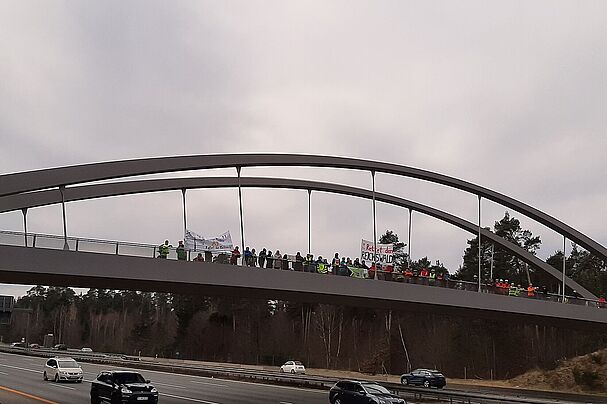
(54, 177)
(48, 197)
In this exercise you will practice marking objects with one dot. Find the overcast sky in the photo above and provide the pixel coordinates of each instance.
(508, 95)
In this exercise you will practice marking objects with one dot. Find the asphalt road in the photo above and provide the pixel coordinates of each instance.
(24, 374)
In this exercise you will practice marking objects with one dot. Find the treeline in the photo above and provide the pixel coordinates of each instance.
(270, 332)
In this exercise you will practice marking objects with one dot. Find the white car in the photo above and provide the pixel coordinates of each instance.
(293, 367)
(62, 369)
(86, 350)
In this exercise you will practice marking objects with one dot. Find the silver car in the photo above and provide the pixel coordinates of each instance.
(62, 369)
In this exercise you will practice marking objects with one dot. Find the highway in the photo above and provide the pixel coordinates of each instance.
(24, 374)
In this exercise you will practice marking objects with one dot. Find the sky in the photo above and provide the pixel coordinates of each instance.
(511, 96)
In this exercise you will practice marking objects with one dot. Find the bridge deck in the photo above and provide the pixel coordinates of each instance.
(81, 269)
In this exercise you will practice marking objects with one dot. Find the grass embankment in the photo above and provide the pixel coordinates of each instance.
(587, 374)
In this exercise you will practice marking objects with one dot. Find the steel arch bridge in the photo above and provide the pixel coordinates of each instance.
(26, 190)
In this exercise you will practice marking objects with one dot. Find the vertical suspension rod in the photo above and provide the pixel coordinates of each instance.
(240, 206)
(409, 239)
(185, 218)
(309, 221)
(66, 246)
(479, 243)
(564, 265)
(24, 211)
(374, 226)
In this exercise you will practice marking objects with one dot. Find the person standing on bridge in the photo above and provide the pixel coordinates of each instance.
(181, 253)
(269, 260)
(247, 257)
(262, 258)
(277, 260)
(164, 249)
(335, 263)
(298, 265)
(285, 262)
(199, 258)
(530, 291)
(235, 256)
(253, 262)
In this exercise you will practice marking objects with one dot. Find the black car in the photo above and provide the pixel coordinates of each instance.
(354, 392)
(424, 377)
(60, 347)
(121, 386)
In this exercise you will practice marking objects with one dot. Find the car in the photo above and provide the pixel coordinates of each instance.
(86, 350)
(293, 367)
(360, 392)
(62, 369)
(60, 347)
(118, 386)
(35, 346)
(18, 345)
(424, 377)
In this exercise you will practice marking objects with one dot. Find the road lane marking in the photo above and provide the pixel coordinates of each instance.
(18, 368)
(2, 373)
(20, 393)
(188, 398)
(170, 385)
(63, 387)
(285, 402)
(210, 384)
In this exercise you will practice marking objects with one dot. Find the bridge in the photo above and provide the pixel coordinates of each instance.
(28, 190)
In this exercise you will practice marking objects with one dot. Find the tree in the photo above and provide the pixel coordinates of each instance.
(505, 264)
(400, 256)
(584, 268)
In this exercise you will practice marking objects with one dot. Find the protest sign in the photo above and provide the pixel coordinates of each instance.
(384, 253)
(221, 243)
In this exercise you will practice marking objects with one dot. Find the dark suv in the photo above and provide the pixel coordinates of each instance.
(121, 386)
(354, 392)
(424, 377)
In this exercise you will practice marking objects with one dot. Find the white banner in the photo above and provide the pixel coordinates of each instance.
(384, 253)
(221, 243)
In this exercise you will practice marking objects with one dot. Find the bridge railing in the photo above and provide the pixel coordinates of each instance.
(39, 240)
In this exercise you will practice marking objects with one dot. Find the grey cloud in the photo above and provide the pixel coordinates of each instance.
(507, 95)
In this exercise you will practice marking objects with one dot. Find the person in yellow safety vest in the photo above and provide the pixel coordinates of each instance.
(530, 291)
(432, 277)
(321, 267)
(163, 249)
(512, 291)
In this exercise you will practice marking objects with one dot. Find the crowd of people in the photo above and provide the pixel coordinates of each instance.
(337, 266)
(345, 266)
